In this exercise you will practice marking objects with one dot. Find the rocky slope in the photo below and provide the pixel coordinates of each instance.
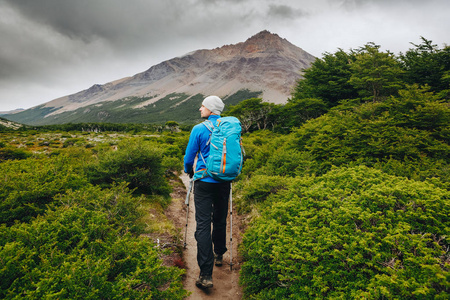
(265, 65)
(9, 124)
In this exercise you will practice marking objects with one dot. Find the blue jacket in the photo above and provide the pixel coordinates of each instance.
(197, 142)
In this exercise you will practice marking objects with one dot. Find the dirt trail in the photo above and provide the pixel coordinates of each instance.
(226, 281)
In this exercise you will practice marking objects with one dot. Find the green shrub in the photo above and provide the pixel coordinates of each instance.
(258, 189)
(287, 162)
(29, 185)
(413, 127)
(73, 253)
(172, 150)
(418, 169)
(13, 153)
(351, 233)
(118, 204)
(258, 147)
(70, 142)
(172, 157)
(135, 162)
(172, 165)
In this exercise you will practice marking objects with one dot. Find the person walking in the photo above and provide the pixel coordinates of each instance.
(210, 196)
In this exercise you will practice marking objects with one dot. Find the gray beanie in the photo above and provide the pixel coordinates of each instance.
(214, 104)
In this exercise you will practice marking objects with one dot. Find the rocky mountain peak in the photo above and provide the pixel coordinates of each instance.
(262, 44)
(264, 39)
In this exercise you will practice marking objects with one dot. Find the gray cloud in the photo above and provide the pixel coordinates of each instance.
(30, 49)
(215, 2)
(285, 12)
(119, 22)
(382, 2)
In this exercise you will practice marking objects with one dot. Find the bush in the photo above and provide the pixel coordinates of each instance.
(287, 162)
(118, 204)
(172, 165)
(412, 128)
(135, 162)
(418, 169)
(29, 185)
(258, 189)
(351, 233)
(73, 253)
(258, 147)
(71, 142)
(13, 153)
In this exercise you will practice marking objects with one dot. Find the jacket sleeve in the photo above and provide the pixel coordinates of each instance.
(191, 150)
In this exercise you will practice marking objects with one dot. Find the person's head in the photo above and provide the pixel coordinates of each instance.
(211, 105)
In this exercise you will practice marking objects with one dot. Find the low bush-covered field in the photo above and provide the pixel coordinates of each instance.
(72, 206)
(351, 233)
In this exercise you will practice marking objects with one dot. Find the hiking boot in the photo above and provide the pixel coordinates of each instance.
(204, 282)
(218, 260)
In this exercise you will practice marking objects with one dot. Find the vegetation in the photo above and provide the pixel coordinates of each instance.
(135, 162)
(351, 233)
(346, 188)
(73, 252)
(73, 209)
(350, 197)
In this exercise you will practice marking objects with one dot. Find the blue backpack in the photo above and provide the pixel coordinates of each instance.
(225, 152)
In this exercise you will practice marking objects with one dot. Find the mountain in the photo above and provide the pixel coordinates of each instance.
(265, 66)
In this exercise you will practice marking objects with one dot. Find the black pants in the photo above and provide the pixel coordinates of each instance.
(211, 206)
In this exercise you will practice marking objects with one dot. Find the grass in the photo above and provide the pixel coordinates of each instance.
(156, 222)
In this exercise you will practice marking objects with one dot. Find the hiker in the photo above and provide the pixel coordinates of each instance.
(210, 196)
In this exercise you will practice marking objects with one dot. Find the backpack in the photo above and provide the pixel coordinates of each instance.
(225, 152)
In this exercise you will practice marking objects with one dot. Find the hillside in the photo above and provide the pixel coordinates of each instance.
(265, 66)
(11, 111)
(9, 124)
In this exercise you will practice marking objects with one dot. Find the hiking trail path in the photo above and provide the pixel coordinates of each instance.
(226, 281)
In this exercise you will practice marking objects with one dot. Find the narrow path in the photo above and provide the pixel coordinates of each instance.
(226, 281)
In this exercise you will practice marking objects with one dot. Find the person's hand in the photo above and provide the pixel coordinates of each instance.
(191, 174)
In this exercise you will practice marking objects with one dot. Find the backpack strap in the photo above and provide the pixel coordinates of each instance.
(208, 124)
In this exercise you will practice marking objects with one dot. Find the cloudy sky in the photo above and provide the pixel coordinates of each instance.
(52, 48)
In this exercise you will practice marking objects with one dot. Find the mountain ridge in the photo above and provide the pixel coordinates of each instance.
(265, 65)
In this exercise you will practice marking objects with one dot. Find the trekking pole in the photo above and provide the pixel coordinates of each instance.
(187, 210)
(231, 228)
